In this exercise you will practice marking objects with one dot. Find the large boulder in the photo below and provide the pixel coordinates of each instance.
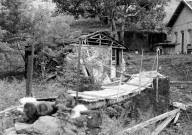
(47, 125)
(10, 131)
(23, 128)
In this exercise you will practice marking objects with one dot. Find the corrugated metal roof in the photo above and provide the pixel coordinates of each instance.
(178, 10)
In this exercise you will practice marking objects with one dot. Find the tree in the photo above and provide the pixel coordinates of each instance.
(22, 23)
(142, 13)
(12, 19)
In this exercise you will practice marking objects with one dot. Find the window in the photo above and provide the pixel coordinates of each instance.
(176, 37)
(114, 56)
(189, 36)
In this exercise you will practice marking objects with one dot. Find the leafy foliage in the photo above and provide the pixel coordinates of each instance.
(12, 19)
(146, 12)
(22, 23)
(127, 14)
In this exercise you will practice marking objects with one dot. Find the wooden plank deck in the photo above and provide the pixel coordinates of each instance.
(113, 92)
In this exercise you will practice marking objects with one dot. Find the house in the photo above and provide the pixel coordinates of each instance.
(181, 27)
(138, 40)
(100, 54)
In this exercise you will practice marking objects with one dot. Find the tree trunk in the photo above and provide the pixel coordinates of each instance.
(122, 32)
(113, 29)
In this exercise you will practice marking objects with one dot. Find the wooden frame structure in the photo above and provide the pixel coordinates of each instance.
(103, 39)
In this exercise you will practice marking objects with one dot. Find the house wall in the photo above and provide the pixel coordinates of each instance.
(182, 24)
(168, 50)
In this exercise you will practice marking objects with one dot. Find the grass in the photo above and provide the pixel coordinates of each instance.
(116, 125)
(11, 92)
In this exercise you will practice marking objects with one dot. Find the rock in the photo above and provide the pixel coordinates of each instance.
(93, 131)
(6, 122)
(65, 100)
(111, 112)
(81, 121)
(10, 131)
(30, 111)
(23, 128)
(44, 108)
(94, 120)
(70, 129)
(22, 119)
(47, 125)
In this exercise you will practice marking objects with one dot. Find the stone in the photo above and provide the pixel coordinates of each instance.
(6, 122)
(47, 125)
(44, 108)
(69, 131)
(68, 128)
(93, 131)
(30, 111)
(94, 120)
(81, 121)
(23, 128)
(111, 112)
(10, 131)
(65, 100)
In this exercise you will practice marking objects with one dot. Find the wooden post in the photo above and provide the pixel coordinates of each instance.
(78, 73)
(30, 72)
(111, 61)
(140, 71)
(100, 40)
(157, 80)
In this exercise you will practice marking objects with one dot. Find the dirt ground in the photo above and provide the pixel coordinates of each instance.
(178, 68)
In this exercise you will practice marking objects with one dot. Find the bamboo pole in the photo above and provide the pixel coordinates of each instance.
(162, 125)
(151, 121)
(180, 82)
(78, 73)
(9, 109)
(140, 71)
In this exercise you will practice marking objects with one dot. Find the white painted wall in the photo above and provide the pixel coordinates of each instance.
(183, 23)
